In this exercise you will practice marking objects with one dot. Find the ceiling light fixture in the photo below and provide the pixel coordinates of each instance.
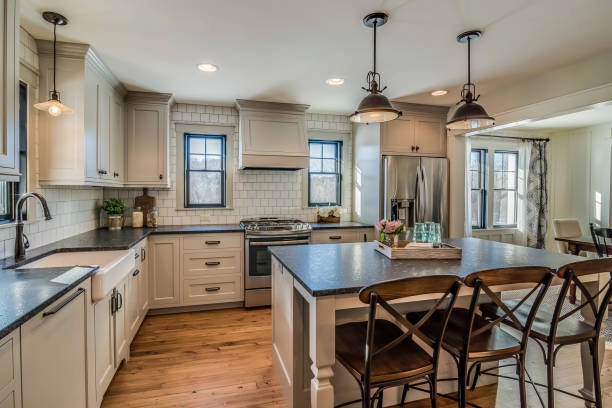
(439, 92)
(206, 67)
(375, 107)
(470, 115)
(335, 81)
(54, 105)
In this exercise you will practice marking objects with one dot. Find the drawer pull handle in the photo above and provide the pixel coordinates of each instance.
(144, 253)
(136, 272)
(212, 263)
(65, 303)
(213, 289)
(335, 237)
(136, 255)
(212, 242)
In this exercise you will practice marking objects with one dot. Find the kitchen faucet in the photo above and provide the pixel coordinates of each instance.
(19, 244)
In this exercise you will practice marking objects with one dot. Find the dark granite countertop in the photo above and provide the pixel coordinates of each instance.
(26, 292)
(330, 269)
(342, 224)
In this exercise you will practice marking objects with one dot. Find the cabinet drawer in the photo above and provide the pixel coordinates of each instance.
(214, 289)
(335, 237)
(220, 241)
(211, 262)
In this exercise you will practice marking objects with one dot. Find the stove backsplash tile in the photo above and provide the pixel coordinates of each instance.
(256, 193)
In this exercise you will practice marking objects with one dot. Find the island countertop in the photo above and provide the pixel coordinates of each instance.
(332, 269)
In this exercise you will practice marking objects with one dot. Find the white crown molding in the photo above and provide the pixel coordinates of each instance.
(244, 105)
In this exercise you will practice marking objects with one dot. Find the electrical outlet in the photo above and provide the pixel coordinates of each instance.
(204, 218)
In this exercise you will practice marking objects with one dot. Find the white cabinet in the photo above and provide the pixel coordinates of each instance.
(54, 353)
(148, 127)
(341, 235)
(85, 147)
(164, 271)
(10, 370)
(272, 135)
(420, 131)
(9, 89)
(137, 292)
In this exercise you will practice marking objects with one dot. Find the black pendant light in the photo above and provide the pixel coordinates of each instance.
(470, 115)
(54, 105)
(375, 107)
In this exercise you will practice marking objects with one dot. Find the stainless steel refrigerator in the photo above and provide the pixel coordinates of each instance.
(415, 189)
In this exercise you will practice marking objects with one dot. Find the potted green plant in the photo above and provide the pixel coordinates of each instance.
(114, 208)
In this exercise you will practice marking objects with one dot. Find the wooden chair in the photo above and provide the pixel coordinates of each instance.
(553, 328)
(380, 354)
(471, 340)
(600, 236)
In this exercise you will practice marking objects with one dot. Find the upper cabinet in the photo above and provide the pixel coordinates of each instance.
(148, 128)
(85, 147)
(420, 131)
(9, 84)
(272, 135)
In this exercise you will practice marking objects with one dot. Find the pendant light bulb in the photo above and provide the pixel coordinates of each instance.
(375, 107)
(54, 105)
(470, 115)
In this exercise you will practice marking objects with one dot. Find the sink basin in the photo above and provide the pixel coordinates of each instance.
(114, 266)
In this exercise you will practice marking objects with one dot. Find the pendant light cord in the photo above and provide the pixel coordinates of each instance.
(469, 40)
(375, 45)
(54, 55)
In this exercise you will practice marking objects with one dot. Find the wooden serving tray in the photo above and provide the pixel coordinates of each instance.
(327, 220)
(446, 251)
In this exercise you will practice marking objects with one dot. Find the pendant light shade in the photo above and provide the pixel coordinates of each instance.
(470, 115)
(375, 107)
(54, 105)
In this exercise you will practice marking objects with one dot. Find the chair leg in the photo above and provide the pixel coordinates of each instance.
(404, 392)
(433, 391)
(476, 375)
(550, 380)
(462, 382)
(380, 399)
(596, 374)
(521, 376)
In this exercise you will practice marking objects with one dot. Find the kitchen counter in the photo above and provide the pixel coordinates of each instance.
(342, 224)
(26, 292)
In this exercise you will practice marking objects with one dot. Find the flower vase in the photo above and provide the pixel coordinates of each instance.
(395, 240)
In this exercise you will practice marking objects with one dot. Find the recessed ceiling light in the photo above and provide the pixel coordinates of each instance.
(335, 81)
(206, 67)
(439, 92)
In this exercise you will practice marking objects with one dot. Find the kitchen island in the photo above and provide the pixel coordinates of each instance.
(315, 288)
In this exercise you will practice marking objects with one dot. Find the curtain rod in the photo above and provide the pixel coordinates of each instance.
(515, 138)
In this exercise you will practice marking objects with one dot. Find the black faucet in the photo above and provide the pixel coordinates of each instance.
(19, 244)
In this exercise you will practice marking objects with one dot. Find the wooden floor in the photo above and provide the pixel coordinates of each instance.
(222, 358)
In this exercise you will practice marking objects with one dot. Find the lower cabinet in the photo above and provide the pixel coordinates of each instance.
(341, 235)
(10, 370)
(164, 282)
(54, 353)
(137, 292)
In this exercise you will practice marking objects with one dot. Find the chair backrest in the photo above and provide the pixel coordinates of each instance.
(575, 273)
(563, 228)
(380, 293)
(600, 239)
(484, 282)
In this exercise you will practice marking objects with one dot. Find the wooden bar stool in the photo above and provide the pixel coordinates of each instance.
(471, 340)
(600, 237)
(380, 353)
(553, 328)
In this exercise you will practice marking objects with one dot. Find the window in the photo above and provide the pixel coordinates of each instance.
(205, 166)
(494, 188)
(325, 172)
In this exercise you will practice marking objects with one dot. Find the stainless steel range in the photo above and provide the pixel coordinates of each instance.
(260, 233)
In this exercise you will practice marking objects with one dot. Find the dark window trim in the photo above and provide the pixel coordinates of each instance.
(187, 137)
(482, 174)
(338, 173)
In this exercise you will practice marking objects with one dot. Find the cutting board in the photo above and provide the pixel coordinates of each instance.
(145, 202)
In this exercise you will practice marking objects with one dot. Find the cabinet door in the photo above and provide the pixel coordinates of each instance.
(104, 334)
(10, 371)
(104, 131)
(9, 88)
(273, 134)
(397, 136)
(164, 271)
(143, 291)
(121, 333)
(53, 355)
(430, 136)
(133, 306)
(147, 144)
(117, 138)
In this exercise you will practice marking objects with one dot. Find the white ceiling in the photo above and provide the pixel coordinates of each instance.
(284, 50)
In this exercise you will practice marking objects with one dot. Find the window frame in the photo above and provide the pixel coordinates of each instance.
(187, 136)
(338, 144)
(483, 153)
(515, 190)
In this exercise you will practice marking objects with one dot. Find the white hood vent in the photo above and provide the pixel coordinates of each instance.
(272, 135)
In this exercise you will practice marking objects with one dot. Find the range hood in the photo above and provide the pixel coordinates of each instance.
(272, 135)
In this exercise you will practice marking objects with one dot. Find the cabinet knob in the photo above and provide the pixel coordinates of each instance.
(161, 176)
(417, 148)
(412, 148)
(100, 171)
(115, 174)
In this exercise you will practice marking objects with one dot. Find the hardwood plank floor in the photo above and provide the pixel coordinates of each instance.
(222, 358)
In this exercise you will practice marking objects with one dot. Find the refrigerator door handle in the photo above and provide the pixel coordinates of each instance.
(420, 195)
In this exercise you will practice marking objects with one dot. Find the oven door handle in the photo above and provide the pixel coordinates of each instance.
(270, 243)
